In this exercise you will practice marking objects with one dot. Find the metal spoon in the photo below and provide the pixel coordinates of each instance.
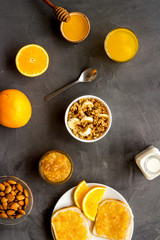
(87, 75)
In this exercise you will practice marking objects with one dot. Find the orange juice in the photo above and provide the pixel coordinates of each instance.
(77, 29)
(121, 45)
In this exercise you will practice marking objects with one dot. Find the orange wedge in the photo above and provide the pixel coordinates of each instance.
(32, 60)
(90, 201)
(79, 193)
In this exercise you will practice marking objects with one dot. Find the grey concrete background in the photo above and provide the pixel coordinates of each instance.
(130, 89)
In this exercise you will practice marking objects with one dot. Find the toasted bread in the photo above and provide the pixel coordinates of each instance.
(70, 223)
(113, 221)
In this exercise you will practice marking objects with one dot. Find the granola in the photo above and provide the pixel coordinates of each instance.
(88, 119)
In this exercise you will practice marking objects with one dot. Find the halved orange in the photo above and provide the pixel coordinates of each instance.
(79, 193)
(90, 201)
(32, 60)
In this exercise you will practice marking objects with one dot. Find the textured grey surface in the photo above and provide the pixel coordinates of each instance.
(130, 89)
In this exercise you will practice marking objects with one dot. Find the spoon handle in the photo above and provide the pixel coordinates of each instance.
(53, 94)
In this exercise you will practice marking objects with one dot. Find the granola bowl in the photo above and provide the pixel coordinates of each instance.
(88, 118)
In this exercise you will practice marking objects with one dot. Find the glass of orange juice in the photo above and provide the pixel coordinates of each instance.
(121, 45)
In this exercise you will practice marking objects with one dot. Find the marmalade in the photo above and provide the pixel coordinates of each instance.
(56, 167)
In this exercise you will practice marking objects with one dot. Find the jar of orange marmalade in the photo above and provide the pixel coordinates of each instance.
(55, 167)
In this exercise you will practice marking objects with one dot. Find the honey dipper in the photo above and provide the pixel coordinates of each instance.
(61, 13)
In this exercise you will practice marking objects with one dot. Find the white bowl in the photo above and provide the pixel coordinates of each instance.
(66, 119)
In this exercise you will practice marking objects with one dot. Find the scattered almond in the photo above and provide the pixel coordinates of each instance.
(13, 187)
(13, 193)
(1, 207)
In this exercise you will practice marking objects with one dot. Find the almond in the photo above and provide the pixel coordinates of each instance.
(3, 215)
(10, 197)
(18, 216)
(10, 216)
(13, 193)
(5, 205)
(16, 191)
(2, 187)
(4, 199)
(13, 187)
(2, 194)
(20, 193)
(14, 206)
(20, 197)
(6, 184)
(19, 187)
(26, 201)
(21, 203)
(21, 212)
(1, 207)
(20, 207)
(8, 189)
(24, 207)
(12, 182)
(25, 193)
(10, 212)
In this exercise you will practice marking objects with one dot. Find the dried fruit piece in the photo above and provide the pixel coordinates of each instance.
(25, 193)
(10, 212)
(19, 187)
(10, 197)
(8, 189)
(2, 187)
(11, 182)
(3, 215)
(20, 197)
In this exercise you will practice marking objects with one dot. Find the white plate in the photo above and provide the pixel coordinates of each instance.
(67, 200)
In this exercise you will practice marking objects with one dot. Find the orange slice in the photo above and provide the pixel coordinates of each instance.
(79, 193)
(90, 201)
(32, 60)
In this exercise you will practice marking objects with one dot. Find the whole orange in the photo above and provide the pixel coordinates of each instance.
(15, 108)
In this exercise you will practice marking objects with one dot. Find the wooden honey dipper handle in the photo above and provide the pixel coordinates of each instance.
(61, 13)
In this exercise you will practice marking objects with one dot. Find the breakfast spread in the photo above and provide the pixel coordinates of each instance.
(113, 220)
(70, 223)
(14, 199)
(77, 29)
(88, 119)
(56, 166)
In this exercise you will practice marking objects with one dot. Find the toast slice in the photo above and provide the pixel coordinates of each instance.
(113, 221)
(70, 223)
